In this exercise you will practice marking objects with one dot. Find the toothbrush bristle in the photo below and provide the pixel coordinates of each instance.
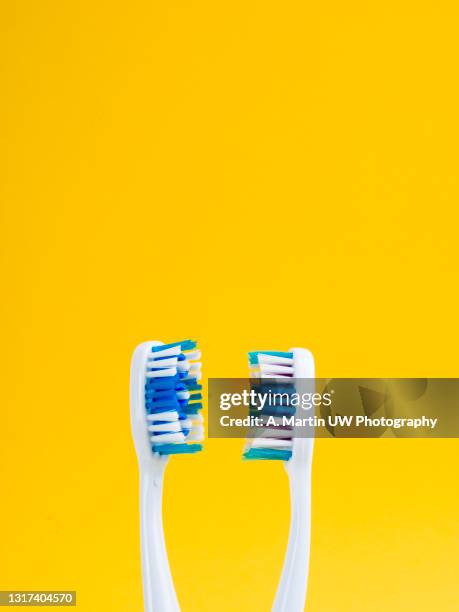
(272, 442)
(173, 398)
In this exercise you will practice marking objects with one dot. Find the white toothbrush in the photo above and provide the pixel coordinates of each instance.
(296, 451)
(164, 395)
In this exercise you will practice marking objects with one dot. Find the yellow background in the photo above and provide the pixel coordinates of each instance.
(254, 175)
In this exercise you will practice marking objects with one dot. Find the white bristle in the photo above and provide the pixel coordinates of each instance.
(267, 368)
(170, 362)
(161, 373)
(184, 395)
(170, 416)
(193, 355)
(166, 427)
(280, 377)
(263, 372)
(263, 359)
(183, 366)
(192, 376)
(271, 432)
(169, 438)
(271, 443)
(196, 434)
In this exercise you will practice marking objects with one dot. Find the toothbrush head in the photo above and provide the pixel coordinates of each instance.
(271, 443)
(166, 399)
(279, 373)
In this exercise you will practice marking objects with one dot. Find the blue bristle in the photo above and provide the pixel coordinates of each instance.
(186, 430)
(159, 359)
(160, 400)
(161, 383)
(154, 397)
(162, 405)
(151, 410)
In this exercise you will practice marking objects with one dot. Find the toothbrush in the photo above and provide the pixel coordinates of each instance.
(285, 444)
(165, 416)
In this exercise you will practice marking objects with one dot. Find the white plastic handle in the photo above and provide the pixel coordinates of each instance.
(291, 592)
(158, 587)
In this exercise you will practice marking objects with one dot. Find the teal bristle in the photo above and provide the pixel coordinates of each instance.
(177, 449)
(253, 355)
(185, 345)
(267, 453)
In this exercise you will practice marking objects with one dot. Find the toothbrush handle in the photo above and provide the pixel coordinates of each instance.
(158, 587)
(291, 592)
